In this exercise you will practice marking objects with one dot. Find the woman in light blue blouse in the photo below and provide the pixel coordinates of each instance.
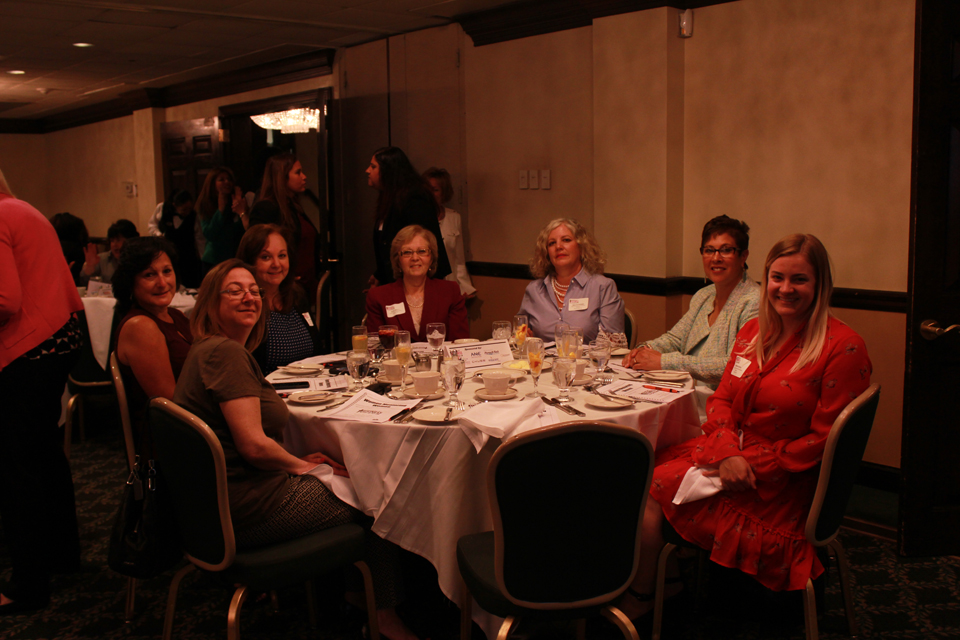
(571, 287)
(703, 339)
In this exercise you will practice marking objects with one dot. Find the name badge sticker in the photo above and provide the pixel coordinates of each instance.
(578, 304)
(395, 309)
(740, 366)
(309, 320)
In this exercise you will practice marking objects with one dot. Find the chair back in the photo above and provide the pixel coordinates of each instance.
(321, 290)
(125, 423)
(567, 505)
(629, 327)
(838, 470)
(87, 372)
(193, 472)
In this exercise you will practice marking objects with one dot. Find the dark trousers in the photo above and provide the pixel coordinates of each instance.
(36, 489)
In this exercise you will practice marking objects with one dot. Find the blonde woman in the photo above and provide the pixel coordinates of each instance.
(571, 287)
(792, 371)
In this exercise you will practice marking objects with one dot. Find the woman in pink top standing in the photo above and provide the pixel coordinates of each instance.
(40, 341)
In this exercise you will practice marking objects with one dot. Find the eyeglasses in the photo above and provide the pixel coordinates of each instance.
(236, 293)
(408, 253)
(726, 252)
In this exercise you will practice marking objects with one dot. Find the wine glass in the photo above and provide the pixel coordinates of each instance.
(535, 360)
(558, 337)
(388, 338)
(454, 371)
(520, 329)
(436, 333)
(403, 352)
(359, 339)
(600, 354)
(501, 329)
(357, 364)
(564, 370)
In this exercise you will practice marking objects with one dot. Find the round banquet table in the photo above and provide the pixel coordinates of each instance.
(425, 484)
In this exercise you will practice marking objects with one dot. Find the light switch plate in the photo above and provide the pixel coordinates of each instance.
(523, 178)
(534, 179)
(544, 178)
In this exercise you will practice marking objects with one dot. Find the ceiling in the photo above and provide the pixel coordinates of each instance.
(153, 44)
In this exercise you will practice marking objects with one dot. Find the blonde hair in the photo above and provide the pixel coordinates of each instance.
(592, 256)
(405, 236)
(4, 187)
(815, 331)
(205, 320)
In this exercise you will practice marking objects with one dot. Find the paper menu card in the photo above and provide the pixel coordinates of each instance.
(477, 355)
(636, 390)
(367, 406)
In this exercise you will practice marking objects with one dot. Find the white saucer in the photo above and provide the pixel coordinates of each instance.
(523, 365)
(465, 341)
(598, 402)
(301, 368)
(315, 397)
(582, 380)
(666, 376)
(436, 415)
(382, 377)
(412, 394)
(483, 395)
(515, 374)
(620, 352)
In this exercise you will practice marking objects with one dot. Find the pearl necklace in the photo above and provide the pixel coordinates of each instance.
(560, 291)
(412, 305)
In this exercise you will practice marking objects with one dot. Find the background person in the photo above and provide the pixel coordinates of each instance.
(571, 287)
(450, 228)
(41, 338)
(105, 264)
(220, 210)
(178, 224)
(74, 238)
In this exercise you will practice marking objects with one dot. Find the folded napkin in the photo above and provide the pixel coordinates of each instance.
(319, 458)
(498, 419)
(696, 486)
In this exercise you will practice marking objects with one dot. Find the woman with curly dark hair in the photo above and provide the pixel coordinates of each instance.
(220, 209)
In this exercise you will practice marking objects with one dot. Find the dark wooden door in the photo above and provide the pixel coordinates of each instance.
(191, 148)
(930, 463)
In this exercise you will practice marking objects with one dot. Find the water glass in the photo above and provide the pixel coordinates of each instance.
(564, 371)
(436, 333)
(535, 360)
(558, 336)
(454, 371)
(357, 364)
(501, 329)
(403, 352)
(600, 355)
(520, 323)
(570, 343)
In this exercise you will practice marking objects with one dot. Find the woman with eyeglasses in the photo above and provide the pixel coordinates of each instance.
(291, 335)
(272, 496)
(415, 299)
(701, 342)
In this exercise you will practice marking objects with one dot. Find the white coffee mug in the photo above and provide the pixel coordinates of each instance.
(496, 383)
(426, 382)
(581, 366)
(391, 368)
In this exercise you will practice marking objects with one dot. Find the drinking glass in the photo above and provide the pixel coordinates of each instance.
(535, 360)
(403, 352)
(501, 329)
(359, 339)
(558, 336)
(454, 371)
(571, 342)
(520, 329)
(388, 338)
(600, 355)
(564, 370)
(436, 332)
(357, 364)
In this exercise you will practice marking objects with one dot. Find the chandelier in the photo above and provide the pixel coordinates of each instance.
(290, 121)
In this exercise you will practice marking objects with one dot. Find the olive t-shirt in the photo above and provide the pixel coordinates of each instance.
(219, 369)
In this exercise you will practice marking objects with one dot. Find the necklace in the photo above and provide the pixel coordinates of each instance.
(560, 291)
(414, 298)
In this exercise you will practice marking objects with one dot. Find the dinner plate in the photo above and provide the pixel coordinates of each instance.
(523, 365)
(607, 404)
(436, 415)
(301, 368)
(620, 352)
(483, 395)
(465, 341)
(666, 376)
(382, 377)
(515, 374)
(313, 397)
(412, 394)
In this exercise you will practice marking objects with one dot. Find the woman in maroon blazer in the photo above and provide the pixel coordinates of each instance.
(415, 299)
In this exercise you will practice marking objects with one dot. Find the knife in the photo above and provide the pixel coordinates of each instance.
(403, 414)
(563, 407)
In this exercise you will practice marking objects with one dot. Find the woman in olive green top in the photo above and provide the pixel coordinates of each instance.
(271, 500)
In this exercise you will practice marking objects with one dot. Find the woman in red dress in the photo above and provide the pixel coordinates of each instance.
(791, 373)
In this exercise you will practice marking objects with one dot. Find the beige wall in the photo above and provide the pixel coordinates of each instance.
(23, 160)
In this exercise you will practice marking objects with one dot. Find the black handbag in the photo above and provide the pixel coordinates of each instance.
(144, 542)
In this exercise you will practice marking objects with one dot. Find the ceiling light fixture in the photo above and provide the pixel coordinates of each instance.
(16, 72)
(290, 121)
(82, 45)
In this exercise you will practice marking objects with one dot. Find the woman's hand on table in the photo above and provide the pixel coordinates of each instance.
(319, 458)
(735, 474)
(642, 358)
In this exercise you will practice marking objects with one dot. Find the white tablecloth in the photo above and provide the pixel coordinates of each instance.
(425, 485)
(99, 312)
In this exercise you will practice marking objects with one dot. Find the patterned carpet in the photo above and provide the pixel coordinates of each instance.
(895, 597)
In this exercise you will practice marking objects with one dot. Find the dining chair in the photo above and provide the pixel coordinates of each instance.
(131, 451)
(194, 473)
(842, 455)
(321, 293)
(567, 502)
(630, 327)
(87, 378)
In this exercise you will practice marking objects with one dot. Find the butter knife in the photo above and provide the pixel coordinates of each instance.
(563, 407)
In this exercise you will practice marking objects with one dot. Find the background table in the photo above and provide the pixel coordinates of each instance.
(425, 485)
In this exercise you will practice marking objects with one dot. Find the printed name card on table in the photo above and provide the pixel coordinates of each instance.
(644, 391)
(477, 355)
(97, 288)
(368, 406)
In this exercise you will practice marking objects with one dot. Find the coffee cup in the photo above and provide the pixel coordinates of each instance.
(581, 367)
(426, 382)
(496, 383)
(391, 368)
